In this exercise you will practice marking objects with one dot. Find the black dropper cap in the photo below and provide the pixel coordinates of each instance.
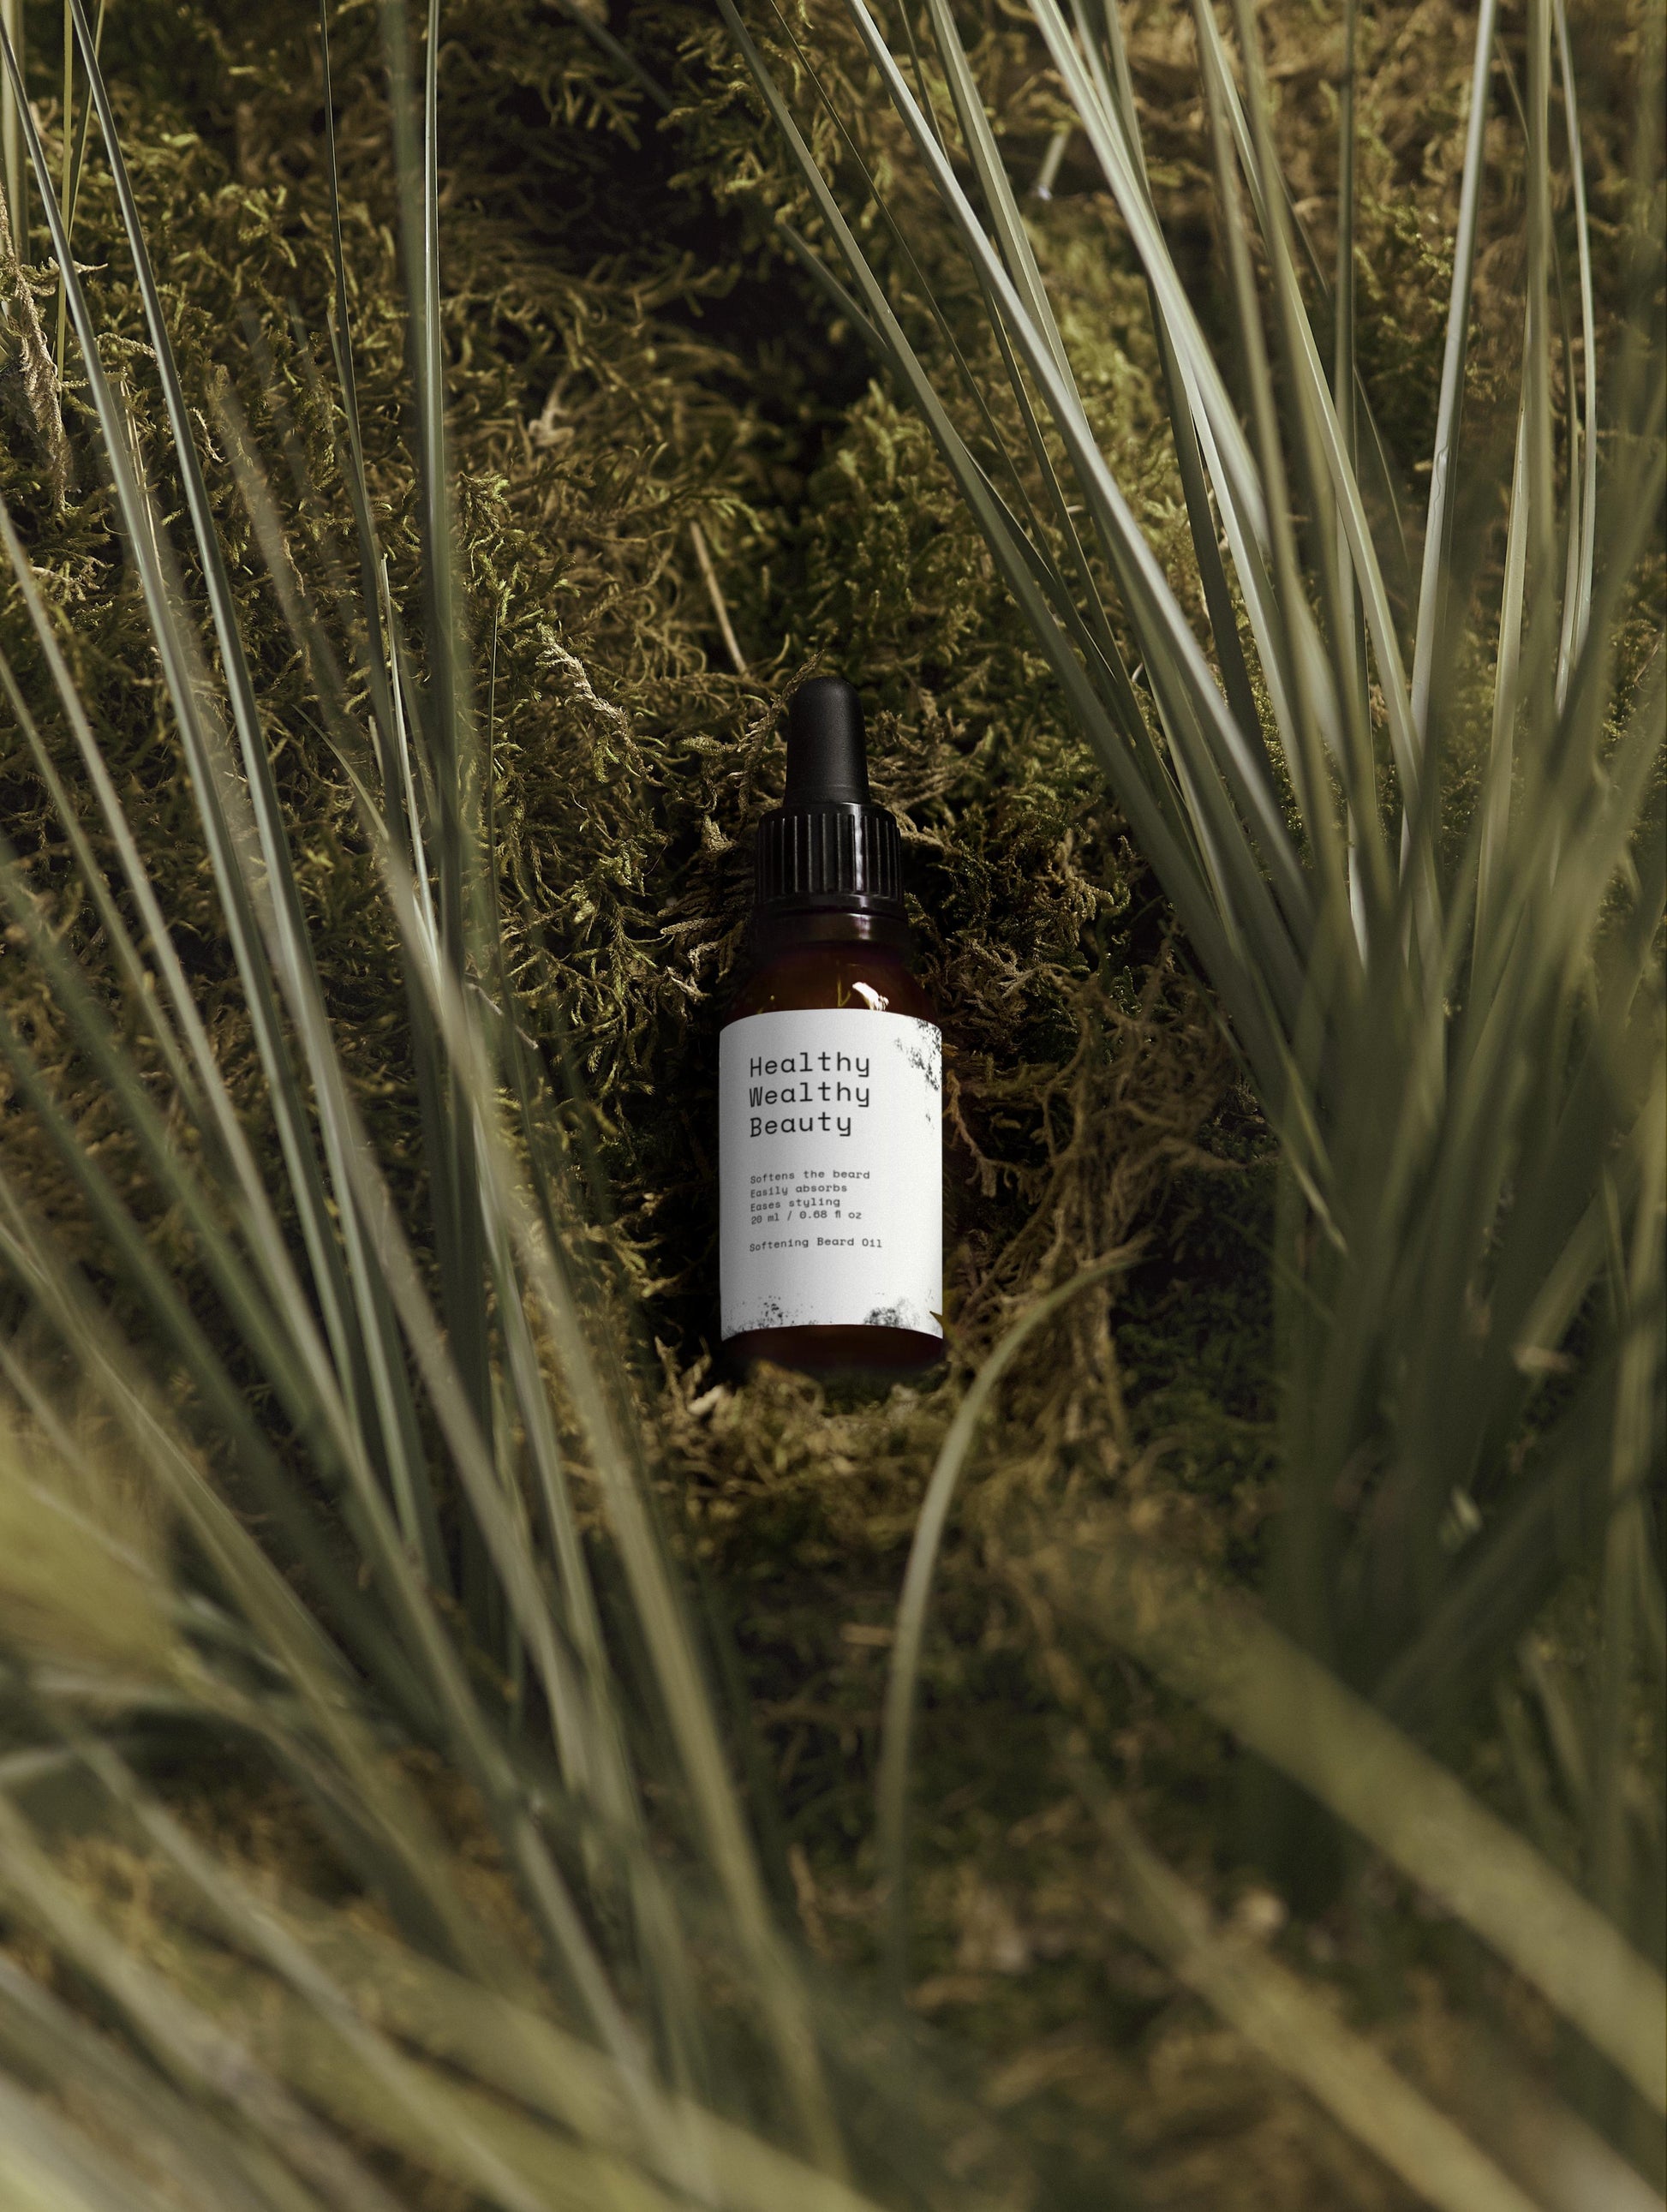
(827, 757)
(828, 846)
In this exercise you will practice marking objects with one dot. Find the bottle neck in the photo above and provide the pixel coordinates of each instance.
(785, 928)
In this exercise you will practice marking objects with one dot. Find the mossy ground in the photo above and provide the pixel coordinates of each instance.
(632, 359)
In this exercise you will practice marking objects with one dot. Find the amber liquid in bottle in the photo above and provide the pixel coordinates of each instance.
(832, 1197)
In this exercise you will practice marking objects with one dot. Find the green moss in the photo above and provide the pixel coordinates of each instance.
(629, 357)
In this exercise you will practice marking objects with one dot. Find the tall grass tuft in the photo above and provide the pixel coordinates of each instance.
(370, 1510)
(431, 1441)
(1433, 929)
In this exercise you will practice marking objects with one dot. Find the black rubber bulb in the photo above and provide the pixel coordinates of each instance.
(827, 758)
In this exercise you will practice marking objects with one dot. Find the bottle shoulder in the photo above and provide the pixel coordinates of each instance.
(805, 978)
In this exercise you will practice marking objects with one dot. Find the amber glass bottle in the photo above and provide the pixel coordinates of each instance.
(831, 1197)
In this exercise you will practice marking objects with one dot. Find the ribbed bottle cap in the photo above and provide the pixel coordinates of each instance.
(829, 845)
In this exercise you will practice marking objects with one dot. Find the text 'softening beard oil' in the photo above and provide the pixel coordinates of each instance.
(829, 1082)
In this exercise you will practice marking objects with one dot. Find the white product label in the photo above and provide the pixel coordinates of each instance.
(830, 1171)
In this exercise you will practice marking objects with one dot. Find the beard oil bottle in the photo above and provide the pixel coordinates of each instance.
(829, 1083)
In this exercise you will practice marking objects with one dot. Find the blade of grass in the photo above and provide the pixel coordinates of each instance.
(212, 2169)
(521, 2054)
(11, 147)
(1296, 1714)
(1636, 1452)
(185, 2044)
(1329, 476)
(53, 2167)
(1296, 2031)
(1583, 517)
(1501, 753)
(902, 1688)
(66, 109)
(1433, 575)
(1306, 758)
(76, 163)
(1350, 646)
(449, 732)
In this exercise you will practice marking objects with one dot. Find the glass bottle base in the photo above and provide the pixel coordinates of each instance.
(826, 1350)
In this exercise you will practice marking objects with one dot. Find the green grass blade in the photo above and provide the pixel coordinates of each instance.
(54, 2168)
(358, 489)
(180, 2039)
(76, 168)
(1583, 513)
(1286, 1707)
(891, 1792)
(1500, 774)
(1544, 572)
(12, 150)
(447, 723)
(211, 2168)
(1636, 1460)
(1298, 2033)
(1438, 519)
(1313, 703)
(1328, 467)
(1017, 253)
